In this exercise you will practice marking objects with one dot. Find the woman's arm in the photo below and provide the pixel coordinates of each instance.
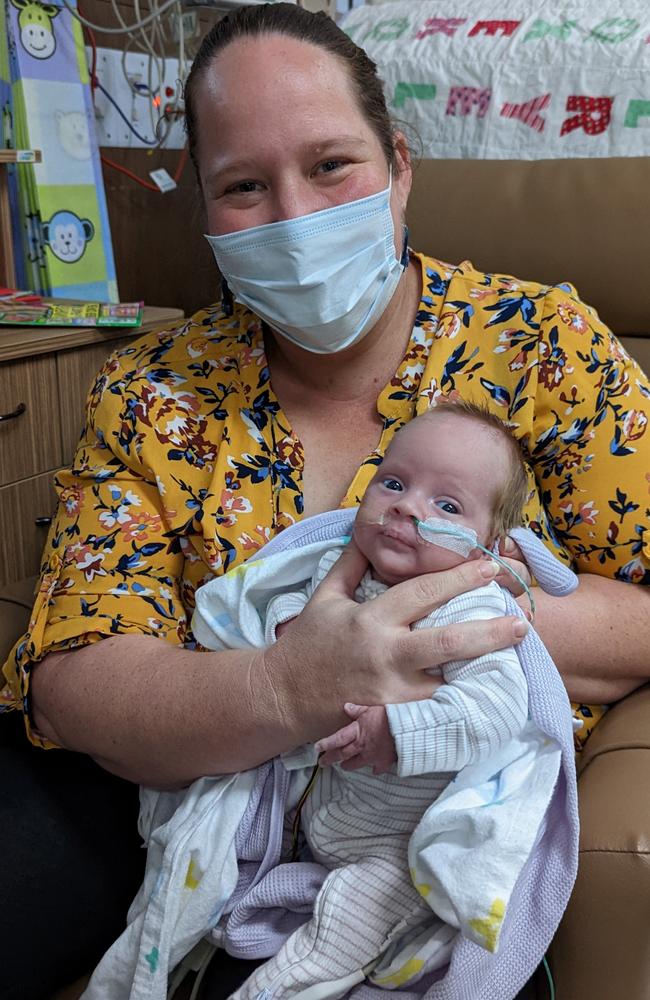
(599, 637)
(589, 448)
(162, 716)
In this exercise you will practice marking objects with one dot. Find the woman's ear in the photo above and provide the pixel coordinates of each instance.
(403, 174)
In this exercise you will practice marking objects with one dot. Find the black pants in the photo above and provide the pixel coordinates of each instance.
(71, 863)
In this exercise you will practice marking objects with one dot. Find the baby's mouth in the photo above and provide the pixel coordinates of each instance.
(401, 531)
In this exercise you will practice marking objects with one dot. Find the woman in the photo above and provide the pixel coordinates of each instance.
(202, 444)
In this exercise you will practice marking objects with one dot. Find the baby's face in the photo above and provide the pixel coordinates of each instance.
(448, 466)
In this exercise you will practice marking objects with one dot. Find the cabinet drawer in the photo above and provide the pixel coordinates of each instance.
(21, 539)
(30, 442)
(76, 372)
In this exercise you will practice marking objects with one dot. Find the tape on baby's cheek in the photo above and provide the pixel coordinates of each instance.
(447, 536)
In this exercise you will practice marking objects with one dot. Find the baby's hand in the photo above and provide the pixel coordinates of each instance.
(365, 742)
(283, 626)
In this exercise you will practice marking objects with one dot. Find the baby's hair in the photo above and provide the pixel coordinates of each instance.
(512, 493)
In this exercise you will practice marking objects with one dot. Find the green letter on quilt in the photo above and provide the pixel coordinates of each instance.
(418, 91)
(541, 29)
(636, 109)
(626, 25)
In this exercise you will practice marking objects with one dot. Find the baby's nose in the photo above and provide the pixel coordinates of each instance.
(406, 505)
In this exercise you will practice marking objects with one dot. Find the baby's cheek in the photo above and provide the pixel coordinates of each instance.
(434, 558)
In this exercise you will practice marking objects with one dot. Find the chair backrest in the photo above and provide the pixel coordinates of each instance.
(586, 221)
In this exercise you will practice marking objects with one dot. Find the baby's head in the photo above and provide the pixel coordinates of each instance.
(457, 462)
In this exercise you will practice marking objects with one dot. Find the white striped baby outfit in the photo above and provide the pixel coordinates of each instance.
(359, 824)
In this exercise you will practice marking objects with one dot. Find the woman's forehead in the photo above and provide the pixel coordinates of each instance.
(272, 96)
(278, 67)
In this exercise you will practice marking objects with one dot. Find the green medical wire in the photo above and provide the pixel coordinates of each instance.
(551, 984)
(496, 558)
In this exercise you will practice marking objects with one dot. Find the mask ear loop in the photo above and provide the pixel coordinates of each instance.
(227, 301)
(405, 251)
(497, 558)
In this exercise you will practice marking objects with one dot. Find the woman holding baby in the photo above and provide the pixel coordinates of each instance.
(201, 444)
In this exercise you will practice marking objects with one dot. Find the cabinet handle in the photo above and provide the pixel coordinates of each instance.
(43, 522)
(18, 412)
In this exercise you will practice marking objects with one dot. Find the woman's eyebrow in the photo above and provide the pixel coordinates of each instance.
(337, 142)
(223, 165)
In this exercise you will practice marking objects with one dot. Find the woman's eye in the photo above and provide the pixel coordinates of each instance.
(392, 484)
(448, 506)
(243, 187)
(329, 166)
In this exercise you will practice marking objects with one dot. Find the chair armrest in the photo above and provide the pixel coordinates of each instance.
(601, 948)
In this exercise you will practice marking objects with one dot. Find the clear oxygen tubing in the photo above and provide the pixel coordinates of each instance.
(458, 539)
(462, 540)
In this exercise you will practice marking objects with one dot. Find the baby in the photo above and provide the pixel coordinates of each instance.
(454, 469)
(425, 823)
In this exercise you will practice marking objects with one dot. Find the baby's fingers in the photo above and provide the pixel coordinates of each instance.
(338, 739)
(339, 754)
(354, 711)
(354, 763)
(336, 747)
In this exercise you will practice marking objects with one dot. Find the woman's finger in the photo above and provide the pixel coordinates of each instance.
(464, 641)
(411, 600)
(510, 582)
(345, 576)
(508, 549)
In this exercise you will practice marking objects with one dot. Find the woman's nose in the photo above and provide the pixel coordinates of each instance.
(292, 201)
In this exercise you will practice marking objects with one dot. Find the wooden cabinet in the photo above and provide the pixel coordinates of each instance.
(29, 438)
(45, 374)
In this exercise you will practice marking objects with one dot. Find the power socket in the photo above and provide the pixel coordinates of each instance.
(110, 128)
(191, 26)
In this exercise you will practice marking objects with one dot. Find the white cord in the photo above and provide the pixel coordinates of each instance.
(127, 27)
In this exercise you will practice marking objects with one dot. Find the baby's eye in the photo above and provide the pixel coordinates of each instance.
(448, 506)
(392, 484)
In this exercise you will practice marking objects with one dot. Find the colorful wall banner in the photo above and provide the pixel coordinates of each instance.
(514, 79)
(61, 237)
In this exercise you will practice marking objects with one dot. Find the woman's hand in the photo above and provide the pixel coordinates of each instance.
(339, 651)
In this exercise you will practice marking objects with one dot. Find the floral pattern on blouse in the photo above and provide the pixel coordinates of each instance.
(187, 463)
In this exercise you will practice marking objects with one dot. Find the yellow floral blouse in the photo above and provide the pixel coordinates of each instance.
(187, 463)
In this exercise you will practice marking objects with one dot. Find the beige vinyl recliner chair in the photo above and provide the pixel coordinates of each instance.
(588, 222)
(585, 221)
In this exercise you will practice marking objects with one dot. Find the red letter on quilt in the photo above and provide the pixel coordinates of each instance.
(441, 26)
(594, 117)
(492, 27)
(462, 101)
(528, 113)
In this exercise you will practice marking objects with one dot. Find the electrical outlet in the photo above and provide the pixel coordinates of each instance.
(191, 26)
(134, 101)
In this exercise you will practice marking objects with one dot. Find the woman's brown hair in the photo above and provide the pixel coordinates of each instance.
(296, 22)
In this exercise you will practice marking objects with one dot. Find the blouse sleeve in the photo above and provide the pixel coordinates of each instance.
(590, 444)
(110, 567)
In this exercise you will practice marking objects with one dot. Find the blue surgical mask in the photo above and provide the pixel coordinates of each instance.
(321, 280)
